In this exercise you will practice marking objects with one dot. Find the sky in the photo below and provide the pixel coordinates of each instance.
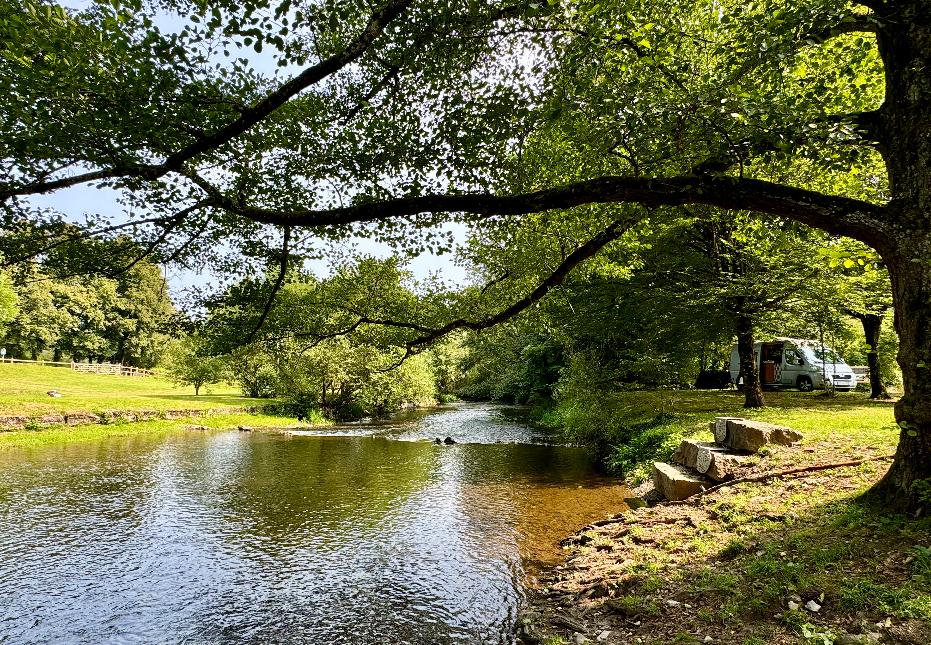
(78, 201)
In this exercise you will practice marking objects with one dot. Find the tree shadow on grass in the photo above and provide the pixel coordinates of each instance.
(729, 566)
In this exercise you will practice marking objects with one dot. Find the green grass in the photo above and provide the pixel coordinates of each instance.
(23, 391)
(636, 428)
(64, 434)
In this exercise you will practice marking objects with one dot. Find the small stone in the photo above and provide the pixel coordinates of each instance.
(578, 638)
(603, 636)
(812, 606)
(708, 639)
(857, 639)
(672, 603)
(793, 606)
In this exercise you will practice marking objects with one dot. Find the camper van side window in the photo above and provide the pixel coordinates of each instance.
(793, 357)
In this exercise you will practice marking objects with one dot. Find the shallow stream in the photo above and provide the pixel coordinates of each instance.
(361, 533)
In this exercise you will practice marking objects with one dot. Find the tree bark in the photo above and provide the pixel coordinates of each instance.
(749, 372)
(872, 326)
(904, 134)
(907, 485)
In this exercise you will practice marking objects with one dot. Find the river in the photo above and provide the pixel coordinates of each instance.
(360, 533)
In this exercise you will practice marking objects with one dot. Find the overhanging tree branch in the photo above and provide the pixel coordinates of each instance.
(837, 215)
(554, 279)
(279, 282)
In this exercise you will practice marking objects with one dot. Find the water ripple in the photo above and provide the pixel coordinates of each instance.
(232, 537)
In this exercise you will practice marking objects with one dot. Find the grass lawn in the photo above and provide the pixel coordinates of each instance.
(23, 391)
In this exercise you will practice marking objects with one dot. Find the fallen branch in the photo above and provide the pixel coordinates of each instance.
(783, 473)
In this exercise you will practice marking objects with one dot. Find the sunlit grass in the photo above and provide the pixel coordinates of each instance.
(24, 391)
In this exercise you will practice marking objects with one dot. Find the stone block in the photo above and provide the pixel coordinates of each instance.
(710, 459)
(81, 418)
(677, 482)
(13, 422)
(51, 419)
(719, 427)
(753, 435)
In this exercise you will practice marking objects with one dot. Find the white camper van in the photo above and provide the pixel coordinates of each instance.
(790, 362)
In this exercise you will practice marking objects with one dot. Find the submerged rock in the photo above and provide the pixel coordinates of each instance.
(449, 441)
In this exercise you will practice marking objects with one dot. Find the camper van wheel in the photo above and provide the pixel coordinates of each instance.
(804, 384)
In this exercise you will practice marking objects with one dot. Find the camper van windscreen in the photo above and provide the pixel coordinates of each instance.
(826, 354)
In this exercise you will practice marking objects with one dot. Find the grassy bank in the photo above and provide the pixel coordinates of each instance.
(24, 391)
(739, 565)
(633, 429)
(65, 434)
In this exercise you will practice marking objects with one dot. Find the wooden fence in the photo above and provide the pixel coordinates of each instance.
(89, 368)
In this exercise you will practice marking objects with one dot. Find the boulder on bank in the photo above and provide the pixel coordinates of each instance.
(710, 459)
(677, 482)
(13, 422)
(743, 434)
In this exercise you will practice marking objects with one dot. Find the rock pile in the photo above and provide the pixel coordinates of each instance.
(698, 465)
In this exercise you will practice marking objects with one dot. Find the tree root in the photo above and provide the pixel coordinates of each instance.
(782, 473)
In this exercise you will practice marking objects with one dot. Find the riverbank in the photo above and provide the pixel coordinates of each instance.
(795, 559)
(85, 433)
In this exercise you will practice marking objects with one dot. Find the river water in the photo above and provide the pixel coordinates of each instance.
(361, 534)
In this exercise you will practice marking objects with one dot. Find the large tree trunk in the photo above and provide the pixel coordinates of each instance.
(753, 390)
(872, 326)
(907, 485)
(904, 134)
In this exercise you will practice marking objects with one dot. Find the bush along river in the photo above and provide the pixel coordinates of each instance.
(362, 534)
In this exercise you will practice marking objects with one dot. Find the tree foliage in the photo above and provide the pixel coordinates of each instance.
(387, 121)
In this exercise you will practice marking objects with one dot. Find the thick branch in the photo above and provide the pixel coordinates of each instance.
(854, 25)
(837, 215)
(554, 279)
(279, 282)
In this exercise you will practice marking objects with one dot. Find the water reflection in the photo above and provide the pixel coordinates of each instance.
(235, 537)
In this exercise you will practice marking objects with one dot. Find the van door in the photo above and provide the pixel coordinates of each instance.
(792, 366)
(771, 364)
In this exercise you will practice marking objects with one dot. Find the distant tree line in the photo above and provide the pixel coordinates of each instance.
(54, 315)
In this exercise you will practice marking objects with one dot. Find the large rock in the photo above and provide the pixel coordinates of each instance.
(677, 482)
(753, 435)
(719, 427)
(710, 459)
(117, 416)
(51, 420)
